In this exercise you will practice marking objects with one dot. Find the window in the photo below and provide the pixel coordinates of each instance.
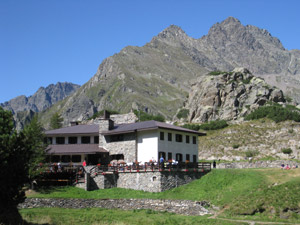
(187, 157)
(194, 140)
(76, 158)
(66, 158)
(55, 158)
(179, 157)
(178, 138)
(117, 157)
(169, 155)
(187, 139)
(169, 136)
(162, 136)
(60, 140)
(85, 140)
(116, 138)
(48, 140)
(194, 158)
(162, 154)
(72, 140)
(96, 139)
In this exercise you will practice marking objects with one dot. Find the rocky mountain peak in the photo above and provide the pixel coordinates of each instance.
(171, 31)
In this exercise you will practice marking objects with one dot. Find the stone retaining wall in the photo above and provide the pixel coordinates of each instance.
(145, 181)
(256, 164)
(184, 207)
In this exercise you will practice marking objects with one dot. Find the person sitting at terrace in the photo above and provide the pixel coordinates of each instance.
(287, 167)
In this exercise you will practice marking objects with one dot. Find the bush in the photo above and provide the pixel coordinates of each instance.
(214, 125)
(287, 151)
(145, 116)
(101, 113)
(251, 153)
(236, 146)
(276, 113)
(183, 113)
(192, 126)
(216, 72)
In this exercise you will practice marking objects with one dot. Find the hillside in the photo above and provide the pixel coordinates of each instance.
(262, 139)
(158, 75)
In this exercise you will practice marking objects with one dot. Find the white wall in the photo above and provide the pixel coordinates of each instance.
(147, 145)
(178, 147)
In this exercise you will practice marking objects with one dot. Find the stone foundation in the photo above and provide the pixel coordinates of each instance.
(145, 181)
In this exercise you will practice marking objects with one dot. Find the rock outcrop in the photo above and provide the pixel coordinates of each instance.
(229, 96)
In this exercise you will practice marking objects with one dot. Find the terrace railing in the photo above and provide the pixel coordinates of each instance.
(151, 167)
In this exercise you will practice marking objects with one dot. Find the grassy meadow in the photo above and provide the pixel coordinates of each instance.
(248, 194)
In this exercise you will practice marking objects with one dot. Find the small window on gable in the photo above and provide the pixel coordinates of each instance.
(194, 140)
(187, 139)
(162, 136)
(169, 136)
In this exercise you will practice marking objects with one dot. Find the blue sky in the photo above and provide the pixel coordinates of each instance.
(47, 41)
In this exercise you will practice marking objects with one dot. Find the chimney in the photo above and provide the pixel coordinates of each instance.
(74, 123)
(105, 123)
(106, 115)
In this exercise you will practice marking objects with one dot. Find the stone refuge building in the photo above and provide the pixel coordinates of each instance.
(105, 141)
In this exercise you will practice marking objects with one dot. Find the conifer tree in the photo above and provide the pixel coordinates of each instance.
(56, 121)
(18, 154)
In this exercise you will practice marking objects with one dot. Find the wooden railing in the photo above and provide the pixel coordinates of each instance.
(151, 167)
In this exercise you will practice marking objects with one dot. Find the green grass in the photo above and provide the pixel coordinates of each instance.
(106, 216)
(258, 194)
(218, 187)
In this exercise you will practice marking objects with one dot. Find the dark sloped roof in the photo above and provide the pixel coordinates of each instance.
(79, 129)
(75, 149)
(119, 128)
(147, 125)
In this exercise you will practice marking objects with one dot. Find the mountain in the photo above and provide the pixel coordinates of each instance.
(158, 76)
(229, 95)
(23, 108)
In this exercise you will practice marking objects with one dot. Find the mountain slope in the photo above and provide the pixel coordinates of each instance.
(158, 75)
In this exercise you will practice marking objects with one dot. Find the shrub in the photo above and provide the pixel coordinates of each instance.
(287, 151)
(145, 116)
(191, 126)
(251, 153)
(183, 113)
(274, 112)
(246, 81)
(101, 113)
(214, 125)
(216, 72)
(236, 146)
